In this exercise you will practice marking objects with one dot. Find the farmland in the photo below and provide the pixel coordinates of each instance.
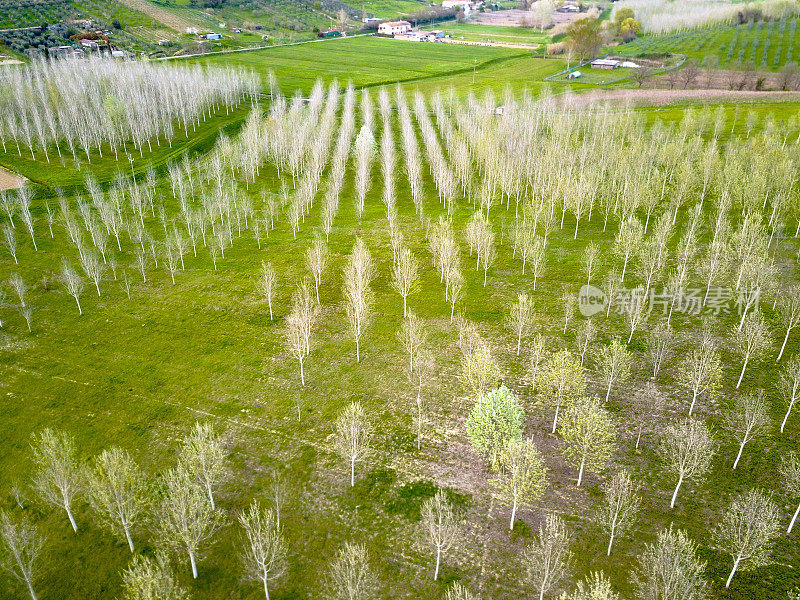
(767, 45)
(208, 274)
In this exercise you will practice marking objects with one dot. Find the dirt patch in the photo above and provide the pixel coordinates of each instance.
(161, 15)
(518, 18)
(9, 181)
(657, 97)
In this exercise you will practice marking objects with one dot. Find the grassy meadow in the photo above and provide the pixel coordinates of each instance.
(137, 372)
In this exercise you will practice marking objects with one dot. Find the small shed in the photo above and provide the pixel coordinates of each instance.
(605, 63)
(574, 75)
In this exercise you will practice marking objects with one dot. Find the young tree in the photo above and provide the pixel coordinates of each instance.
(589, 436)
(522, 475)
(10, 240)
(296, 341)
(686, 451)
(439, 525)
(186, 520)
(585, 37)
(316, 259)
(789, 304)
(405, 275)
(118, 492)
(751, 340)
(596, 587)
(73, 282)
(701, 372)
(590, 261)
(494, 421)
(458, 591)
(203, 456)
(745, 419)
(560, 382)
(620, 506)
(660, 343)
(479, 368)
(413, 336)
(58, 477)
(151, 579)
(353, 436)
(669, 568)
(358, 273)
(520, 317)
(264, 550)
(350, 576)
(790, 480)
(614, 362)
(547, 560)
(19, 286)
(748, 531)
(789, 384)
(649, 404)
(20, 547)
(587, 333)
(266, 284)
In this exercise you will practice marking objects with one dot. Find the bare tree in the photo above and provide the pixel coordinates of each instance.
(353, 436)
(264, 550)
(266, 284)
(405, 275)
(203, 456)
(299, 325)
(522, 476)
(186, 520)
(789, 304)
(660, 343)
(412, 336)
(700, 372)
(789, 384)
(520, 317)
(614, 362)
(150, 578)
(20, 549)
(58, 476)
(745, 419)
(751, 340)
(589, 436)
(589, 261)
(596, 587)
(92, 267)
(748, 531)
(73, 282)
(620, 506)
(10, 240)
(790, 481)
(587, 333)
(649, 404)
(439, 525)
(350, 576)
(561, 382)
(669, 568)
(358, 273)
(686, 451)
(118, 492)
(316, 259)
(19, 286)
(547, 560)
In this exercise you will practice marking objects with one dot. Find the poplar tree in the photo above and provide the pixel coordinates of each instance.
(151, 579)
(264, 550)
(58, 476)
(669, 568)
(494, 421)
(620, 507)
(204, 457)
(614, 362)
(350, 576)
(547, 561)
(520, 317)
(589, 436)
(686, 450)
(746, 419)
(522, 475)
(21, 546)
(790, 481)
(352, 437)
(751, 340)
(789, 384)
(405, 276)
(560, 382)
(440, 526)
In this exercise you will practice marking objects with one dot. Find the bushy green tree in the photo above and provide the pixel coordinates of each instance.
(495, 419)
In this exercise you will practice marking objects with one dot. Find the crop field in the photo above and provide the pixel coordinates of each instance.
(767, 45)
(446, 307)
(495, 33)
(364, 61)
(387, 8)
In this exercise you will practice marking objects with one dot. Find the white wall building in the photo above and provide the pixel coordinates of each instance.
(394, 27)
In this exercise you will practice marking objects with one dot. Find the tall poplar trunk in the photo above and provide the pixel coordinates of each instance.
(735, 566)
(675, 493)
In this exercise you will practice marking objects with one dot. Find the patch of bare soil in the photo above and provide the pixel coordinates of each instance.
(518, 18)
(658, 97)
(9, 181)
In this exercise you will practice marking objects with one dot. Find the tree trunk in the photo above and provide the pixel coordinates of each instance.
(794, 518)
(358, 351)
(580, 473)
(741, 375)
(71, 519)
(404, 307)
(675, 493)
(30, 589)
(80, 312)
(210, 495)
(438, 560)
(302, 376)
(266, 589)
(555, 420)
(513, 515)
(691, 406)
(785, 418)
(194, 564)
(611, 541)
(352, 472)
(735, 566)
(608, 391)
(783, 346)
(129, 538)
(739, 455)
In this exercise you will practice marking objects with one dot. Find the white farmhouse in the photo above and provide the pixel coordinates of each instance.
(394, 27)
(464, 5)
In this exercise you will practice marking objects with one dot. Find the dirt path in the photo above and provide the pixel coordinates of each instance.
(9, 181)
(658, 97)
(159, 14)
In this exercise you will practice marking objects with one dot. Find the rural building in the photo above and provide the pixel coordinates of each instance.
(212, 36)
(605, 63)
(394, 27)
(569, 8)
(464, 5)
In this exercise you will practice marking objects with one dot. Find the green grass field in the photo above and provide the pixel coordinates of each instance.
(495, 33)
(365, 61)
(387, 8)
(768, 45)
